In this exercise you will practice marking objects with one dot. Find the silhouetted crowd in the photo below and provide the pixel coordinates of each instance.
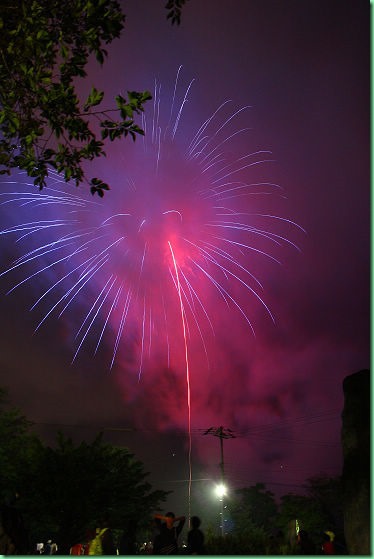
(165, 540)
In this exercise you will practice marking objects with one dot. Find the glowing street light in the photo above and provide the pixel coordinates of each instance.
(221, 490)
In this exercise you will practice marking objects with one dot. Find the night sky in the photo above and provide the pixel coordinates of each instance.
(302, 69)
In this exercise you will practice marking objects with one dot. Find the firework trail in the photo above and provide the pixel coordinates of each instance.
(180, 238)
(187, 376)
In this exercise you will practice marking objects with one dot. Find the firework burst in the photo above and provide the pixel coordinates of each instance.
(179, 234)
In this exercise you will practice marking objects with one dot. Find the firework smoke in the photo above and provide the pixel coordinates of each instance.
(183, 217)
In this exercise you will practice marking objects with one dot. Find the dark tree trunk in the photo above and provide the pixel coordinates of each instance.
(356, 468)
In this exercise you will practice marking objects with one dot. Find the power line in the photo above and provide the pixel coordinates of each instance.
(306, 419)
(291, 420)
(264, 432)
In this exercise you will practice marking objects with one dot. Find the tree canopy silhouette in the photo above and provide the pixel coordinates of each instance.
(45, 46)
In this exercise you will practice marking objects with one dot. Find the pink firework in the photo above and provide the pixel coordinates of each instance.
(181, 235)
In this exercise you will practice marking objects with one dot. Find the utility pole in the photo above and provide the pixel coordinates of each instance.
(222, 433)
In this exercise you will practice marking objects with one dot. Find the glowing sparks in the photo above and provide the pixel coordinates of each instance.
(189, 222)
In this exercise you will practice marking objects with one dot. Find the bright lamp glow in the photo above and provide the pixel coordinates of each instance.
(221, 490)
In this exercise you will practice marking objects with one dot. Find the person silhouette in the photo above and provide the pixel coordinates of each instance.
(166, 543)
(195, 538)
